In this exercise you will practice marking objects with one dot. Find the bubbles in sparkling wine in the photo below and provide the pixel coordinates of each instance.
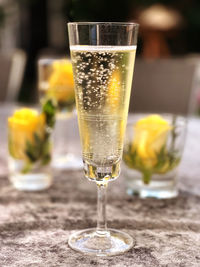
(103, 77)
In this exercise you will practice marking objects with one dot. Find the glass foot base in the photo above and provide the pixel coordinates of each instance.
(90, 242)
(67, 162)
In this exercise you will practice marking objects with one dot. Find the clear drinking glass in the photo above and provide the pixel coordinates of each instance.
(153, 149)
(103, 56)
(55, 82)
(30, 150)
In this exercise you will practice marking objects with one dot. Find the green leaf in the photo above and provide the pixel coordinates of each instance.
(165, 161)
(147, 176)
(40, 149)
(37, 139)
(26, 168)
(46, 152)
(161, 158)
(49, 109)
(31, 152)
(46, 159)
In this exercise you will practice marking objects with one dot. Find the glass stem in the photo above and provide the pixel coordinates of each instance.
(101, 209)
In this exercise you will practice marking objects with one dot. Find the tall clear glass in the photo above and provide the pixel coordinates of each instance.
(103, 56)
(55, 83)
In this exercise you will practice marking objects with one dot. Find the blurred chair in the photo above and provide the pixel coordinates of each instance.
(12, 66)
(163, 85)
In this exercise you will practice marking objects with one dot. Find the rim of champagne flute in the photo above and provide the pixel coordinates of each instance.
(108, 22)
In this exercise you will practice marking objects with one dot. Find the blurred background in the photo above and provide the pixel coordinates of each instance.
(167, 72)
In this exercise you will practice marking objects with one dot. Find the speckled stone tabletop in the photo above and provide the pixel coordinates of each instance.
(34, 227)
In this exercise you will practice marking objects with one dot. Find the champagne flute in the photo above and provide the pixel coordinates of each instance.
(103, 56)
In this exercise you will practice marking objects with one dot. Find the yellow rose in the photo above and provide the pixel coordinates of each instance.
(61, 83)
(22, 126)
(150, 135)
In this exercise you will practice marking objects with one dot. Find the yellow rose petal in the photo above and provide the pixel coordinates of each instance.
(61, 83)
(150, 135)
(22, 126)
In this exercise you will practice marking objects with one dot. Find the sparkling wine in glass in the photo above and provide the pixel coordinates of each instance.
(103, 56)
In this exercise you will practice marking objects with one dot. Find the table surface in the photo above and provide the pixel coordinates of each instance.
(34, 227)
